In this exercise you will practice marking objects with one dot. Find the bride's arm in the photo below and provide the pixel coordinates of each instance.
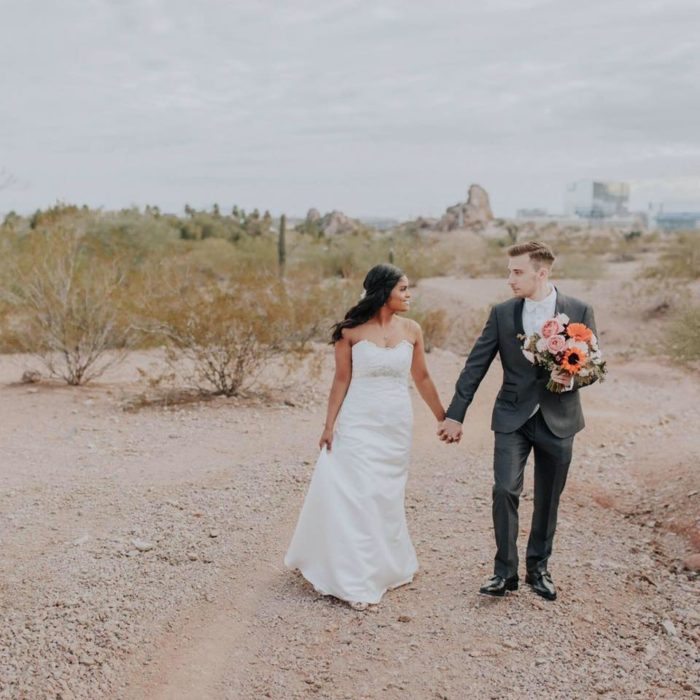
(422, 378)
(341, 382)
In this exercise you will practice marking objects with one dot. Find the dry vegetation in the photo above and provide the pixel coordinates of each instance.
(79, 287)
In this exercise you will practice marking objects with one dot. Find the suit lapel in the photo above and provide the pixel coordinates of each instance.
(560, 305)
(518, 316)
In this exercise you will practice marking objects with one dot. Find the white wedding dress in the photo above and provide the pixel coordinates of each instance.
(351, 540)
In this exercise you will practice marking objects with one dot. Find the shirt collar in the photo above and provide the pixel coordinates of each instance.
(549, 301)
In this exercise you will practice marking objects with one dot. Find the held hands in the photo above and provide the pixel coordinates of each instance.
(326, 439)
(449, 431)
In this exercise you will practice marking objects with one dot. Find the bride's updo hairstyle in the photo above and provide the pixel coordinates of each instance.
(379, 282)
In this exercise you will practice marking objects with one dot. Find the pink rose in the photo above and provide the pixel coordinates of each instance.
(551, 327)
(556, 343)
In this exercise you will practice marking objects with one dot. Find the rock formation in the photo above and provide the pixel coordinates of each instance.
(332, 224)
(312, 216)
(475, 212)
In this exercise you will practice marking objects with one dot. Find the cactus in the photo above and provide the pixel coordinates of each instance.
(282, 244)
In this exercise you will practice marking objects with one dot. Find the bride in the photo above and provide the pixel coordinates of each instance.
(351, 540)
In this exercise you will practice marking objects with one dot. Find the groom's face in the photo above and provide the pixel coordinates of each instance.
(524, 277)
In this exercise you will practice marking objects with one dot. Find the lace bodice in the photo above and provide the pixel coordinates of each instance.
(371, 361)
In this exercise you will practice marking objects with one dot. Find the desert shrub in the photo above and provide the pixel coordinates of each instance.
(133, 235)
(654, 298)
(456, 333)
(61, 214)
(65, 306)
(200, 225)
(313, 307)
(221, 334)
(579, 266)
(492, 261)
(452, 253)
(350, 256)
(345, 256)
(651, 303)
(464, 329)
(680, 258)
(258, 253)
(683, 334)
(433, 322)
(421, 258)
(218, 338)
(575, 242)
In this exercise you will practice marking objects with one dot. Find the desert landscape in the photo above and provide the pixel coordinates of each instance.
(145, 511)
(191, 197)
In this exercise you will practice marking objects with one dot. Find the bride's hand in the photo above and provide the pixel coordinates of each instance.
(326, 439)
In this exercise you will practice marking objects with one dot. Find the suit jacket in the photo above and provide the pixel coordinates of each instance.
(523, 384)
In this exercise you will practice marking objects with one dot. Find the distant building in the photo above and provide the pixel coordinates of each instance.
(590, 199)
(530, 213)
(381, 223)
(674, 217)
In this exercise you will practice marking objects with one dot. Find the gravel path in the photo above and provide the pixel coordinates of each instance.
(142, 554)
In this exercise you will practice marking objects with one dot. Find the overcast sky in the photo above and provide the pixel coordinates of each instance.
(376, 107)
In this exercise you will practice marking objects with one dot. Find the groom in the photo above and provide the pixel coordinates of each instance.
(526, 416)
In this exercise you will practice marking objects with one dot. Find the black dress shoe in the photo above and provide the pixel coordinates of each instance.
(541, 582)
(497, 585)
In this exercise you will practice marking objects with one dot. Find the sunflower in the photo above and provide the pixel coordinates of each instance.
(573, 359)
(579, 331)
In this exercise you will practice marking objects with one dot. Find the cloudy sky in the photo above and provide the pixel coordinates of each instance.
(374, 107)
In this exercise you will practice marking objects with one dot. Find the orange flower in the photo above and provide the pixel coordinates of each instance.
(579, 331)
(573, 360)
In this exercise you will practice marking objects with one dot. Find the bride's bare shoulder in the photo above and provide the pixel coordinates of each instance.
(353, 335)
(411, 329)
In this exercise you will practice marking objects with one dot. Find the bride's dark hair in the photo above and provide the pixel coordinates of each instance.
(379, 282)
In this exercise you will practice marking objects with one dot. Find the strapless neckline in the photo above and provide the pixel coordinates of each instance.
(382, 347)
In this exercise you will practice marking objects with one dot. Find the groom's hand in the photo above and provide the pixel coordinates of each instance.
(565, 378)
(450, 431)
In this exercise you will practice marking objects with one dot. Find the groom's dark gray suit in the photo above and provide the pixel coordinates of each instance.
(520, 426)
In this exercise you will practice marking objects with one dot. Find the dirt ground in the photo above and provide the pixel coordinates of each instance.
(142, 551)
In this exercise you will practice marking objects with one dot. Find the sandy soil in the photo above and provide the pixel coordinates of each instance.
(142, 552)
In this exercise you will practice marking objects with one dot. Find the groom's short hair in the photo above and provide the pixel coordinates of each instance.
(540, 253)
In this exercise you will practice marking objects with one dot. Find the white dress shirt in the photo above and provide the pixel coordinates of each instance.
(535, 313)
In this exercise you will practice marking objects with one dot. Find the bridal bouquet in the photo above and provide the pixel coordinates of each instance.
(562, 346)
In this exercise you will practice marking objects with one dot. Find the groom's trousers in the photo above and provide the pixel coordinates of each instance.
(552, 459)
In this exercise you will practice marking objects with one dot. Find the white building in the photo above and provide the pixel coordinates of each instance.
(591, 199)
